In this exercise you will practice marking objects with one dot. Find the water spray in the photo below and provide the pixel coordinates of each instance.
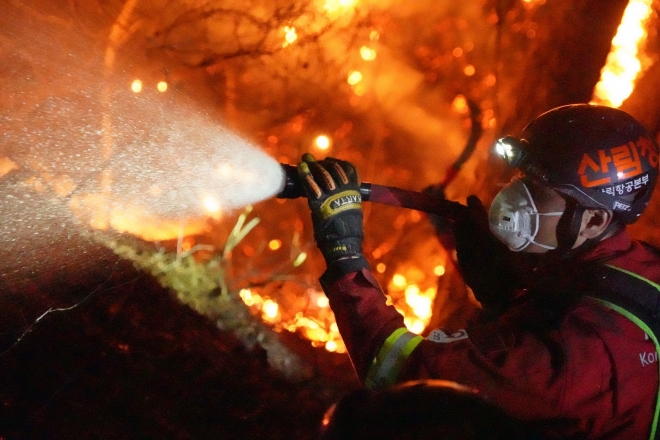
(387, 195)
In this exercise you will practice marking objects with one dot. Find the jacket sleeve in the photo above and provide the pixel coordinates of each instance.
(523, 367)
(363, 317)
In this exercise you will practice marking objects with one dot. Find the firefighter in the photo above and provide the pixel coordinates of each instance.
(568, 337)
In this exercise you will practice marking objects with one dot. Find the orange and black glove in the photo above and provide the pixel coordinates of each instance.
(333, 195)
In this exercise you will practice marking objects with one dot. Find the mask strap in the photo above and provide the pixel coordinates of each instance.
(536, 212)
(549, 214)
(544, 246)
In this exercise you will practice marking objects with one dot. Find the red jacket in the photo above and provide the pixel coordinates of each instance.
(589, 371)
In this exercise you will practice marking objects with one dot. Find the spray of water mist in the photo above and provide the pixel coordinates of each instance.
(141, 154)
(80, 147)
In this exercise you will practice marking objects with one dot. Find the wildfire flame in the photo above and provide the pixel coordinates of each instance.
(336, 6)
(623, 65)
(317, 323)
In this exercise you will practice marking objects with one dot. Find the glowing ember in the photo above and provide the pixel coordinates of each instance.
(367, 53)
(290, 35)
(300, 259)
(270, 310)
(399, 281)
(322, 142)
(136, 86)
(275, 244)
(354, 77)
(211, 205)
(623, 66)
(459, 105)
(162, 86)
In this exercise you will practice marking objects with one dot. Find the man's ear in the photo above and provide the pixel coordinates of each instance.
(594, 222)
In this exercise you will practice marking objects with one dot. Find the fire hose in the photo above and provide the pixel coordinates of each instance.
(388, 195)
(393, 196)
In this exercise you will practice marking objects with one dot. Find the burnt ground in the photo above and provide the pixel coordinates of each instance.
(130, 362)
(123, 359)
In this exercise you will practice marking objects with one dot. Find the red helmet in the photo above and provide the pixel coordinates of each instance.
(599, 156)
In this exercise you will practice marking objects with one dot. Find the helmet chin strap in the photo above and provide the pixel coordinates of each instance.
(568, 228)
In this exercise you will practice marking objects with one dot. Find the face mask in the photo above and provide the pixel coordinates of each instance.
(513, 217)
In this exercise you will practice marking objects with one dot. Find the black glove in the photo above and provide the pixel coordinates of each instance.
(333, 195)
(486, 264)
(443, 227)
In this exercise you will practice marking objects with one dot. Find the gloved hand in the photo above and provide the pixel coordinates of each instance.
(333, 196)
(486, 264)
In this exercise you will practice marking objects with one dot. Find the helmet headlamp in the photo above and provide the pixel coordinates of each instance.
(515, 153)
(511, 149)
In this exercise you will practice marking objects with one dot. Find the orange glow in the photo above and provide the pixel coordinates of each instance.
(623, 66)
(162, 86)
(136, 86)
(62, 185)
(439, 271)
(333, 7)
(410, 299)
(7, 166)
(96, 210)
(469, 70)
(380, 267)
(275, 244)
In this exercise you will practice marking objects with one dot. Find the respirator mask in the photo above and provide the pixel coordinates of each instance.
(513, 216)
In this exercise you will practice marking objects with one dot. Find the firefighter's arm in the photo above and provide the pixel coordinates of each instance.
(373, 331)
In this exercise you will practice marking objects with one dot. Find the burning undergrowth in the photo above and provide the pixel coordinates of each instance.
(256, 304)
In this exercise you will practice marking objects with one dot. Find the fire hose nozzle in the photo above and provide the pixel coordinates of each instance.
(293, 187)
(387, 195)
